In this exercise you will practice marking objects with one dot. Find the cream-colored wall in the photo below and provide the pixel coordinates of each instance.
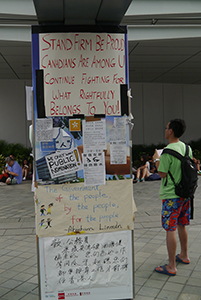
(13, 122)
(153, 105)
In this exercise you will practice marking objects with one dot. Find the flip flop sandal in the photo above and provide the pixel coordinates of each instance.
(178, 259)
(165, 271)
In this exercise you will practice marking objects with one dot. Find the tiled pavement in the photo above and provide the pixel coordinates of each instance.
(18, 257)
(150, 250)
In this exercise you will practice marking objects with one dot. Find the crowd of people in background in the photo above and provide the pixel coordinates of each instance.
(13, 173)
(26, 170)
(148, 171)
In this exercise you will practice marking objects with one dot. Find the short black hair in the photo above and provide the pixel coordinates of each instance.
(178, 126)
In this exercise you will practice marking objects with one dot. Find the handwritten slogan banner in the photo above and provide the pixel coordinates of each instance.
(82, 265)
(82, 72)
(63, 209)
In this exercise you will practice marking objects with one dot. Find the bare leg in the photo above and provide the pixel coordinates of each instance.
(8, 181)
(145, 173)
(183, 237)
(171, 242)
(138, 173)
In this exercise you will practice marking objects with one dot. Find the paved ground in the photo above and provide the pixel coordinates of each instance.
(150, 250)
(18, 258)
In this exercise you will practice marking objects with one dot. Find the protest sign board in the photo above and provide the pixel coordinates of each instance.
(82, 72)
(63, 209)
(84, 192)
(95, 266)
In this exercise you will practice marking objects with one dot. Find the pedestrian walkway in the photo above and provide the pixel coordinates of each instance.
(150, 250)
(18, 256)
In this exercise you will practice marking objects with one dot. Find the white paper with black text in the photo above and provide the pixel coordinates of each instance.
(96, 266)
(63, 162)
(44, 130)
(94, 168)
(94, 135)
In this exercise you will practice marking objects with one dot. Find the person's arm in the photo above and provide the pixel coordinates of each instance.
(11, 173)
(156, 158)
(15, 170)
(143, 167)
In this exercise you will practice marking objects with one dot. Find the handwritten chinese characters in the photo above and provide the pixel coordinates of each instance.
(87, 261)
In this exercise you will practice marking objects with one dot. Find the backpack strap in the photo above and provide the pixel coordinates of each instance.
(170, 177)
(177, 155)
(187, 150)
(173, 153)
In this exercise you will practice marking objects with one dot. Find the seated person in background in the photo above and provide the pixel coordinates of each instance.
(152, 165)
(197, 161)
(14, 170)
(3, 176)
(26, 169)
(13, 158)
(134, 172)
(153, 171)
(144, 171)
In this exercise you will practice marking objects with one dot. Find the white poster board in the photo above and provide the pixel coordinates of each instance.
(64, 208)
(94, 266)
(82, 72)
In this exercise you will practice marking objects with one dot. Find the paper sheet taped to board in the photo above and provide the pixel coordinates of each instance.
(62, 209)
(87, 262)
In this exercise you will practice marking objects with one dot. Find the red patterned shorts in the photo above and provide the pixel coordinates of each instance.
(175, 212)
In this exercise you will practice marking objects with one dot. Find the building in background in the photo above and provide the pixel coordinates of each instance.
(164, 40)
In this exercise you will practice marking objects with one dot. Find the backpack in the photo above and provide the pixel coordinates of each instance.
(188, 184)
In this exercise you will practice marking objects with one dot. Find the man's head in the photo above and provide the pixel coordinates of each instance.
(176, 128)
(9, 161)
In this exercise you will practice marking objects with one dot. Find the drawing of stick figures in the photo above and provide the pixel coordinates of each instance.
(42, 223)
(49, 209)
(42, 210)
(37, 201)
(48, 223)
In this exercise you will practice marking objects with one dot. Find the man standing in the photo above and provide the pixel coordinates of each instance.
(14, 170)
(175, 210)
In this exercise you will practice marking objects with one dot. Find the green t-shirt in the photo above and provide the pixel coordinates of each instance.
(172, 164)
